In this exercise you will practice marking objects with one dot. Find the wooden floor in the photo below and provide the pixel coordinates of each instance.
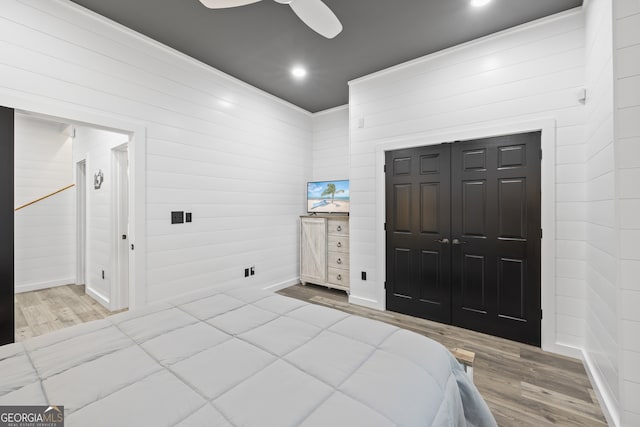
(47, 310)
(523, 385)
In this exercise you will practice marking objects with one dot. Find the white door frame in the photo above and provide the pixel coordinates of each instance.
(120, 250)
(81, 221)
(85, 116)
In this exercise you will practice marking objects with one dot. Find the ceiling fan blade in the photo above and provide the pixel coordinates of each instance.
(317, 16)
(221, 4)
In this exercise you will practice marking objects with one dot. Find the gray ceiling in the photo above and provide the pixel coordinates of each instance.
(259, 43)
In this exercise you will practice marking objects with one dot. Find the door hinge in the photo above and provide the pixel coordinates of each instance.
(385, 226)
(385, 285)
(384, 168)
(541, 315)
(541, 233)
(541, 154)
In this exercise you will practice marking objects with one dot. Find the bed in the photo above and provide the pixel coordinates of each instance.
(241, 357)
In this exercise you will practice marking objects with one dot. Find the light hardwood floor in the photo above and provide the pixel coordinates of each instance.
(523, 385)
(47, 310)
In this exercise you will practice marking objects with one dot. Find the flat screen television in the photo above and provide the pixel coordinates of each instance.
(328, 197)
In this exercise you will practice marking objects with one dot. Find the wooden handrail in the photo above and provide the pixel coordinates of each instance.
(44, 197)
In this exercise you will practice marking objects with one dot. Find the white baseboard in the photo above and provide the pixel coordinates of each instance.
(104, 301)
(610, 411)
(282, 285)
(28, 287)
(365, 302)
(564, 350)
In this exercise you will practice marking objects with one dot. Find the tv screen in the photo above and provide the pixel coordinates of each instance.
(328, 197)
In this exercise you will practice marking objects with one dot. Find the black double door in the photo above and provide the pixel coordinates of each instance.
(463, 234)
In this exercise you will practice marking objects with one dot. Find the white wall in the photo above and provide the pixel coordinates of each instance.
(44, 231)
(626, 25)
(234, 156)
(42, 158)
(601, 343)
(94, 146)
(330, 149)
(533, 72)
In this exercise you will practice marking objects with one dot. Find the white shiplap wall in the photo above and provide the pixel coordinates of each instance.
(94, 146)
(42, 158)
(330, 150)
(528, 73)
(601, 343)
(45, 231)
(45, 245)
(627, 128)
(234, 156)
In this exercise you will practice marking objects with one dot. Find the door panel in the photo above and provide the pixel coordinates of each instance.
(512, 209)
(6, 229)
(418, 216)
(463, 234)
(496, 218)
(474, 285)
(429, 207)
(474, 215)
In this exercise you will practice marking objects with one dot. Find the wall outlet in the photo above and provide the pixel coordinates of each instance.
(177, 217)
(253, 270)
(102, 274)
(364, 275)
(246, 272)
(187, 217)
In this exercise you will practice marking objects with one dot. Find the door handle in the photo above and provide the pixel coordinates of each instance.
(444, 241)
(458, 242)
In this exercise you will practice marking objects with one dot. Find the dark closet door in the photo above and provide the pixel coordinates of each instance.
(6, 226)
(463, 234)
(418, 230)
(495, 232)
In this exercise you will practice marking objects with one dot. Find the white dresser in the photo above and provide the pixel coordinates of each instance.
(324, 251)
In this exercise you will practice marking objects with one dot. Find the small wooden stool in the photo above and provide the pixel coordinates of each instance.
(465, 358)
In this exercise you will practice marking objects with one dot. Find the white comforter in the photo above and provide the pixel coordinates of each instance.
(241, 357)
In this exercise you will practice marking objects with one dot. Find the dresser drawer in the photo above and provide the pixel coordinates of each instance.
(338, 277)
(338, 244)
(338, 260)
(338, 227)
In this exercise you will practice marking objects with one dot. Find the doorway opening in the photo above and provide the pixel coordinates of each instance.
(69, 256)
(463, 234)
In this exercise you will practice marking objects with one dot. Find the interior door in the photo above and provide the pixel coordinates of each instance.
(495, 235)
(463, 234)
(418, 230)
(7, 320)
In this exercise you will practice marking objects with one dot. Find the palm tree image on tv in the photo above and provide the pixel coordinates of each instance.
(328, 196)
(331, 191)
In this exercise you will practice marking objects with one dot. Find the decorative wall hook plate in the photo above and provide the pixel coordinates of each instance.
(98, 178)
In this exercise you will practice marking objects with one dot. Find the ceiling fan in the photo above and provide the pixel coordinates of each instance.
(314, 13)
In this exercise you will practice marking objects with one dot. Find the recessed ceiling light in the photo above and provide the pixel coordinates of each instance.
(479, 3)
(298, 72)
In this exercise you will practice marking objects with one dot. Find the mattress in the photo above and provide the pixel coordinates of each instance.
(241, 357)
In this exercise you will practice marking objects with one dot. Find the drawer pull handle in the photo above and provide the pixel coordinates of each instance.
(339, 244)
(339, 277)
(339, 261)
(339, 228)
